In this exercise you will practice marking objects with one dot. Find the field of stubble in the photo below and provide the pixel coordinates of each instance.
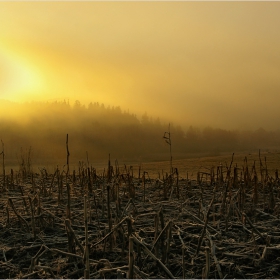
(208, 218)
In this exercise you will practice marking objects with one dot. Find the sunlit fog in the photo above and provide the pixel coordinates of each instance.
(113, 75)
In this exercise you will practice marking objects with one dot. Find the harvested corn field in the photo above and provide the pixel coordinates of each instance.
(122, 224)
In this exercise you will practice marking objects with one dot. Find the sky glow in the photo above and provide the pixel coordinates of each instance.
(200, 63)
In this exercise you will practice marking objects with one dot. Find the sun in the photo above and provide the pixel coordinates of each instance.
(19, 77)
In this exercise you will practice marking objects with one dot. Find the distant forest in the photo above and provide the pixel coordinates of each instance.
(99, 130)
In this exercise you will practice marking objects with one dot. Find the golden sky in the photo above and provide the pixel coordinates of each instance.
(200, 63)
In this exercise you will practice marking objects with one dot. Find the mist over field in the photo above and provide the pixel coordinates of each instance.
(205, 64)
(210, 69)
(96, 130)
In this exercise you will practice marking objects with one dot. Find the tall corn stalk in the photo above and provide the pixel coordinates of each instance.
(67, 156)
(3, 158)
(167, 137)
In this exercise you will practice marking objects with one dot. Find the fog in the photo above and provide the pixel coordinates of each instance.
(205, 64)
(96, 130)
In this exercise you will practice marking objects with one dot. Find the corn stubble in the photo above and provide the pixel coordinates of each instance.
(82, 224)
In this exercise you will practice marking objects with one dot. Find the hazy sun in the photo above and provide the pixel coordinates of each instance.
(18, 77)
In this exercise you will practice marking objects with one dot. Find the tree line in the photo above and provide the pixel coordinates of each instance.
(98, 130)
